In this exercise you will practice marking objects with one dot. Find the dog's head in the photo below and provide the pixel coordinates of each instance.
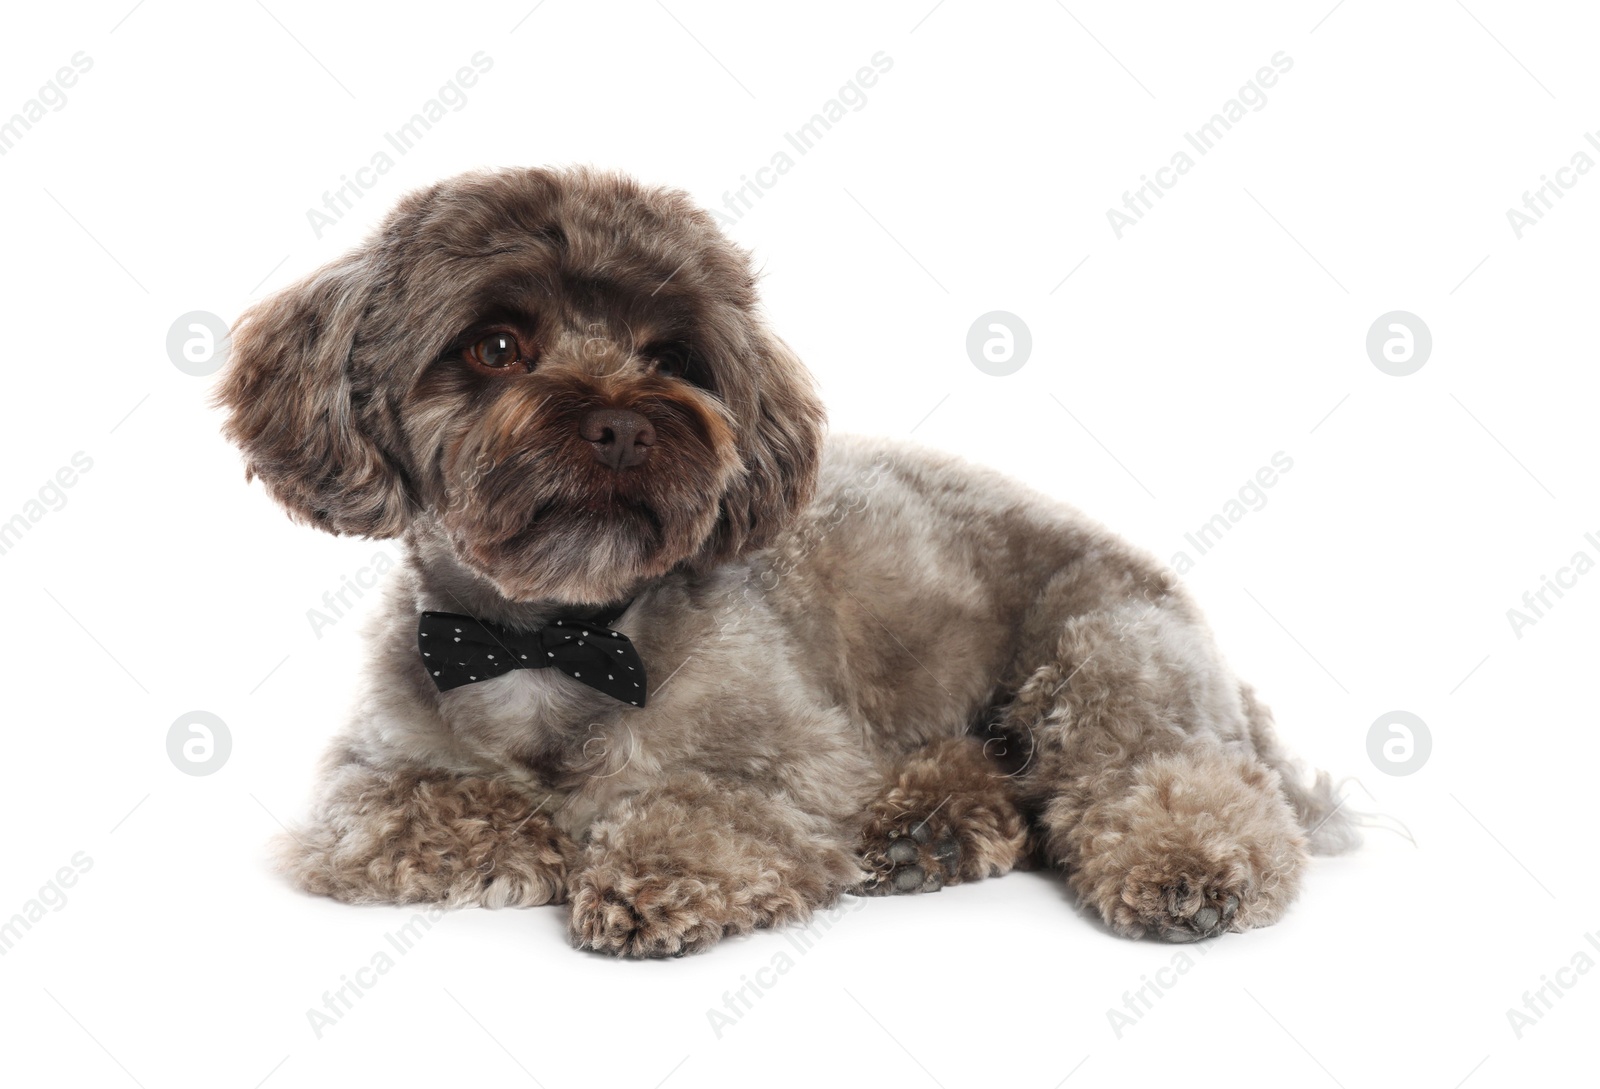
(566, 370)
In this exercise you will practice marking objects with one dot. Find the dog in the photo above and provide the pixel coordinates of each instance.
(662, 651)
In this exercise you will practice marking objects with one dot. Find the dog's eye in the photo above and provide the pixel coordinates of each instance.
(671, 360)
(498, 353)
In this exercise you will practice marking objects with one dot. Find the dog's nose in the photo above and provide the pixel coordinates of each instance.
(620, 438)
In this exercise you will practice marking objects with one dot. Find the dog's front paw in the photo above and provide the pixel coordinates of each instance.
(632, 916)
(678, 867)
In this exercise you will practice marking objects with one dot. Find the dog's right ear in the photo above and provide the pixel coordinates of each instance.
(292, 405)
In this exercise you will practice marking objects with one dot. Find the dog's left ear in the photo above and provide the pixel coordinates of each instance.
(297, 411)
(780, 443)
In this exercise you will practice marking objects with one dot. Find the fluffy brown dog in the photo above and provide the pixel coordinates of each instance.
(871, 668)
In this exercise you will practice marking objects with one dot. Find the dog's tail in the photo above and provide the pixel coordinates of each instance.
(1329, 825)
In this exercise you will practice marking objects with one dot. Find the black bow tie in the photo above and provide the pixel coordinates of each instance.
(458, 650)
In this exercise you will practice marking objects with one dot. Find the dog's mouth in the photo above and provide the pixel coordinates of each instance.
(606, 516)
(585, 546)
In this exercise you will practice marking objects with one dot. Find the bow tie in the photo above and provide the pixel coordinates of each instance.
(458, 650)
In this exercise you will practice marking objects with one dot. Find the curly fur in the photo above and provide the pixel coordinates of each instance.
(874, 668)
(416, 836)
(950, 816)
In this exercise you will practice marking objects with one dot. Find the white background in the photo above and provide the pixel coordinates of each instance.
(1229, 324)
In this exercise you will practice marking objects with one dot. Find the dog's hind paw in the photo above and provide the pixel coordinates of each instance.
(949, 817)
(1182, 912)
(915, 856)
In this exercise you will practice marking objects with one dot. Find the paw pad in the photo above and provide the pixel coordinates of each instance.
(1213, 915)
(911, 858)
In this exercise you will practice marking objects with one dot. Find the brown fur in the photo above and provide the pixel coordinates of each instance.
(416, 836)
(684, 863)
(870, 666)
(951, 816)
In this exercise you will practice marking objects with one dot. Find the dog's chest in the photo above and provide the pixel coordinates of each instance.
(535, 717)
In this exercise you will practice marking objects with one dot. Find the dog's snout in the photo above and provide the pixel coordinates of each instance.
(619, 438)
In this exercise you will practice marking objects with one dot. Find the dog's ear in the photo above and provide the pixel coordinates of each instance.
(780, 443)
(305, 429)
